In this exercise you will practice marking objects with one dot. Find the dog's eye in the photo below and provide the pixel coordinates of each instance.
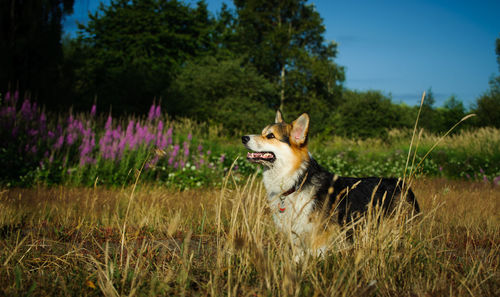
(270, 136)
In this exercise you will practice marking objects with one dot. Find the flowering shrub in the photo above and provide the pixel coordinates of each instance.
(86, 149)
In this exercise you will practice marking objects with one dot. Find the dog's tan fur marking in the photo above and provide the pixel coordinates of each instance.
(282, 131)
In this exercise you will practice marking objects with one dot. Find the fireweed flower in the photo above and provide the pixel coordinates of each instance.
(59, 143)
(151, 113)
(163, 142)
(169, 136)
(175, 151)
(159, 134)
(26, 111)
(157, 112)
(7, 97)
(43, 122)
(93, 110)
(109, 121)
(186, 149)
(87, 146)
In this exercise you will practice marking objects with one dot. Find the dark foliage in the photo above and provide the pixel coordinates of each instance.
(30, 47)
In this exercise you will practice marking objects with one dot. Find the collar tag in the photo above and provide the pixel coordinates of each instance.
(281, 206)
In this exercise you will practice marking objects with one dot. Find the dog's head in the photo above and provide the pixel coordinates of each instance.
(280, 143)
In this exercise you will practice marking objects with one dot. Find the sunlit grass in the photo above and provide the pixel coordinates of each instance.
(67, 241)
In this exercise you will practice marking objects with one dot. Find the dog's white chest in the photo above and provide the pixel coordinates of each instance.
(292, 213)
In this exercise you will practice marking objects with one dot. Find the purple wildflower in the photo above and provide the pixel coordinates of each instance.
(109, 121)
(157, 112)
(222, 158)
(32, 132)
(169, 136)
(170, 161)
(163, 142)
(200, 149)
(70, 138)
(159, 134)
(151, 113)
(175, 150)
(186, 149)
(93, 110)
(87, 146)
(26, 109)
(59, 143)
(43, 121)
(190, 136)
(496, 180)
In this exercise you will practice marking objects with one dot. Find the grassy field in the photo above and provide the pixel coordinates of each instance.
(150, 241)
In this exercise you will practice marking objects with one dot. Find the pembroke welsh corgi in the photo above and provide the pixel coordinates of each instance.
(299, 189)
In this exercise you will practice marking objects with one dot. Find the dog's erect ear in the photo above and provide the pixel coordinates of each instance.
(300, 128)
(279, 117)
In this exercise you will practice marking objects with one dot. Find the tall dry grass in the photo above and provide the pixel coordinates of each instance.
(81, 241)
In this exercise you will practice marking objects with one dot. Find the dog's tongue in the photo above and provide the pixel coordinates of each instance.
(259, 155)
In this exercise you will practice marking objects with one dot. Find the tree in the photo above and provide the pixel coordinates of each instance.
(497, 50)
(452, 112)
(223, 91)
(30, 46)
(488, 104)
(365, 114)
(280, 37)
(429, 117)
(133, 49)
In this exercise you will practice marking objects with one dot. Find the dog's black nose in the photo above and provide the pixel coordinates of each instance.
(245, 139)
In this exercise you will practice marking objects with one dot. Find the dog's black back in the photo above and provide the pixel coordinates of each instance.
(350, 197)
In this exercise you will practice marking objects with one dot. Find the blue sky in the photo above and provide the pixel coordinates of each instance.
(400, 47)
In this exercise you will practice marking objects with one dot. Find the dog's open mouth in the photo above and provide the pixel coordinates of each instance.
(261, 156)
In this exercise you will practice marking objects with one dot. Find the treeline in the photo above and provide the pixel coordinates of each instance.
(234, 68)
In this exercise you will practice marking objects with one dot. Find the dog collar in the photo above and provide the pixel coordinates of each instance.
(289, 192)
(281, 204)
